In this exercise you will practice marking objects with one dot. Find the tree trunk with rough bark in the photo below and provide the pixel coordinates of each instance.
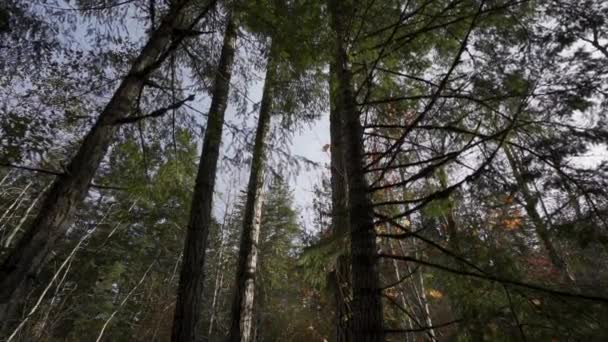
(367, 315)
(190, 289)
(242, 316)
(69, 189)
(340, 276)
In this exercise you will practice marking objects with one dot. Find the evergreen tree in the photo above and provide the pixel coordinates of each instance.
(191, 276)
(463, 197)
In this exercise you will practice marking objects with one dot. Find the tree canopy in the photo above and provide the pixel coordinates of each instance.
(151, 190)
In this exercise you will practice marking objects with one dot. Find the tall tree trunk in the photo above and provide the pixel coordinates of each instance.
(339, 216)
(540, 226)
(70, 189)
(242, 318)
(367, 315)
(342, 298)
(190, 289)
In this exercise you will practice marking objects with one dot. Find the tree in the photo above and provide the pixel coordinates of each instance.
(339, 216)
(190, 288)
(464, 198)
(242, 312)
(70, 188)
(367, 321)
(285, 67)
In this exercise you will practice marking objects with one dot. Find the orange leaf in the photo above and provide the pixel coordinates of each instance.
(512, 224)
(435, 294)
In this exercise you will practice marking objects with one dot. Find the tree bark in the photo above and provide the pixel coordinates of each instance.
(187, 307)
(367, 321)
(339, 219)
(242, 320)
(70, 189)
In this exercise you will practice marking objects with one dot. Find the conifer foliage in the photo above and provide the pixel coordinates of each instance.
(150, 189)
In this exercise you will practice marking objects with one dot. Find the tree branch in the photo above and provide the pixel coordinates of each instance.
(154, 114)
(56, 173)
(497, 279)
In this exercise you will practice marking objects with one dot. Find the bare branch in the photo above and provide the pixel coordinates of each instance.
(154, 114)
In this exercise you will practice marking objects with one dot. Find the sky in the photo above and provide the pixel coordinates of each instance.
(310, 145)
(307, 142)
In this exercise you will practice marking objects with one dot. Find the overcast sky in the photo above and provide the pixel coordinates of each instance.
(307, 143)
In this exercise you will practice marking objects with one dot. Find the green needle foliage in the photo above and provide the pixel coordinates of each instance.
(467, 152)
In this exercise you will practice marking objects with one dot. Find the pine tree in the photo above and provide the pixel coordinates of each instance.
(367, 321)
(70, 188)
(187, 308)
